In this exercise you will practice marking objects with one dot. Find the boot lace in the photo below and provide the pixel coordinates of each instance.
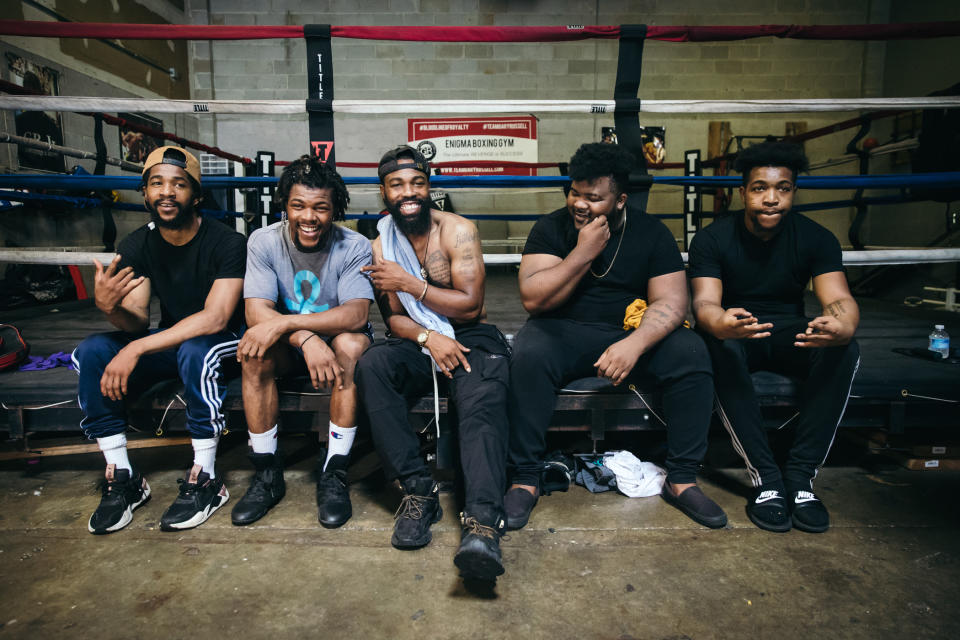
(477, 529)
(411, 507)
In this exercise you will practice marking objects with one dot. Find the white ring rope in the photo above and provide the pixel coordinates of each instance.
(381, 107)
(875, 257)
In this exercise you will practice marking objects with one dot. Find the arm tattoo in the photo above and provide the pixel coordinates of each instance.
(465, 237)
(835, 309)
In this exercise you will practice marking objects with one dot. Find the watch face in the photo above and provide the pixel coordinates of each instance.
(422, 338)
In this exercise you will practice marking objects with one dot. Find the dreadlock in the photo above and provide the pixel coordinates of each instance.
(312, 173)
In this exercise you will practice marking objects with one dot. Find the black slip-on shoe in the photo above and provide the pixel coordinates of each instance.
(697, 506)
(333, 494)
(479, 557)
(808, 513)
(768, 510)
(518, 504)
(266, 489)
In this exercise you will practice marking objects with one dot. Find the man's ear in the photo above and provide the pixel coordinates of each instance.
(742, 191)
(622, 201)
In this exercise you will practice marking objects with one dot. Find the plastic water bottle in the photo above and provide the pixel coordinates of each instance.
(940, 341)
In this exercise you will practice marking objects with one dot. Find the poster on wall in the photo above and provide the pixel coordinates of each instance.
(43, 126)
(485, 141)
(134, 145)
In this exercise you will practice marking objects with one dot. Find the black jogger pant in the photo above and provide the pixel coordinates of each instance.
(391, 375)
(550, 352)
(826, 374)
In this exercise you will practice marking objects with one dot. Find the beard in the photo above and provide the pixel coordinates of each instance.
(179, 221)
(411, 227)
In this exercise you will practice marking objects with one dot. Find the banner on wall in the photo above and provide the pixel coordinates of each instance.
(486, 140)
(43, 126)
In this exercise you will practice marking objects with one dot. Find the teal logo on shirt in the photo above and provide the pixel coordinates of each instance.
(303, 304)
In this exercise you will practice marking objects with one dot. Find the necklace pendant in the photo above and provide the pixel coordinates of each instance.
(423, 273)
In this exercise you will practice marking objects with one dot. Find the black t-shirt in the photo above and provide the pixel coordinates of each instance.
(648, 250)
(765, 278)
(181, 277)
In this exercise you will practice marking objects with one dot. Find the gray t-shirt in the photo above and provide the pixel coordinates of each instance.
(300, 282)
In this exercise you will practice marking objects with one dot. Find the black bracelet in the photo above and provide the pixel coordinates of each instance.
(312, 335)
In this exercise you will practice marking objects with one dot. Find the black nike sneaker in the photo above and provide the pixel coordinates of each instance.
(266, 489)
(419, 509)
(123, 492)
(479, 557)
(333, 496)
(199, 497)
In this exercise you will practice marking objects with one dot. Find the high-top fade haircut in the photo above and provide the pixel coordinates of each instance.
(772, 154)
(597, 159)
(312, 173)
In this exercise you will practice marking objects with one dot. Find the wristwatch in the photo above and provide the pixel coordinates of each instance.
(422, 338)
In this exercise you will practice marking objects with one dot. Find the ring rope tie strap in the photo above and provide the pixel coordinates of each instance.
(320, 92)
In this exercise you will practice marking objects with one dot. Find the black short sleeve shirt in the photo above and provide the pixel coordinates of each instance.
(181, 276)
(647, 250)
(765, 278)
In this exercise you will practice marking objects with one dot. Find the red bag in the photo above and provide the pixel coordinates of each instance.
(13, 348)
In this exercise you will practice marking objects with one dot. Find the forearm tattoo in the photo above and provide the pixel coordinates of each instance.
(835, 309)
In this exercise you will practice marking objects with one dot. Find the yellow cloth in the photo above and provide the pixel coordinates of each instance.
(631, 320)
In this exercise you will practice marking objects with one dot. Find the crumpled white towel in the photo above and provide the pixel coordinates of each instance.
(635, 478)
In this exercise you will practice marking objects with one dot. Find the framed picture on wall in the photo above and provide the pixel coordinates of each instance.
(136, 145)
(43, 126)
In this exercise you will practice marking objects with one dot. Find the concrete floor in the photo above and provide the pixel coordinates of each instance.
(587, 566)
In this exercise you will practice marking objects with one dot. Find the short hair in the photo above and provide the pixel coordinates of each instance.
(598, 159)
(772, 154)
(310, 172)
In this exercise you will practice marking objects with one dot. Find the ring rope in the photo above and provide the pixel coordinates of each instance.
(871, 257)
(68, 151)
(684, 33)
(383, 107)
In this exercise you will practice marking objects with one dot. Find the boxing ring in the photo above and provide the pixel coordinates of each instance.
(893, 391)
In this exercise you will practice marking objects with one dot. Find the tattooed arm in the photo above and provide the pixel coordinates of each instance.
(666, 308)
(840, 317)
(458, 266)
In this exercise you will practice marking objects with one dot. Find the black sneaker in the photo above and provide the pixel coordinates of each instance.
(768, 510)
(199, 498)
(419, 509)
(479, 557)
(267, 488)
(122, 494)
(333, 496)
(808, 513)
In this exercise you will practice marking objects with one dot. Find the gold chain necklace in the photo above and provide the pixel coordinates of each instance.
(623, 232)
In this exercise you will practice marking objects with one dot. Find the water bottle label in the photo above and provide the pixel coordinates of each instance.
(939, 344)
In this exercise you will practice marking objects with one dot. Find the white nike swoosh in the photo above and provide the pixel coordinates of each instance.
(767, 499)
(800, 500)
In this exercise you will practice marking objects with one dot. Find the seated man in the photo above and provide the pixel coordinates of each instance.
(429, 277)
(749, 271)
(195, 267)
(307, 305)
(582, 266)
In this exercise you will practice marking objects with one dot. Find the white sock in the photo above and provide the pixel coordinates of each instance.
(339, 442)
(265, 442)
(205, 453)
(115, 450)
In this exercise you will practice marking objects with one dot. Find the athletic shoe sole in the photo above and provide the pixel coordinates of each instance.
(200, 517)
(477, 566)
(766, 526)
(125, 518)
(798, 524)
(419, 542)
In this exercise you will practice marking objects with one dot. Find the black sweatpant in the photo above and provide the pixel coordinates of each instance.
(549, 352)
(392, 375)
(827, 374)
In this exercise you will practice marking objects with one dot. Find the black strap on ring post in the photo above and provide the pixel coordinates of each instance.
(109, 235)
(626, 117)
(320, 92)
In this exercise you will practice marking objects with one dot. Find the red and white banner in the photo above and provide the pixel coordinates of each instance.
(485, 141)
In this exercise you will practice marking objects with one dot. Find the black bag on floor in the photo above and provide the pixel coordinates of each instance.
(13, 348)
